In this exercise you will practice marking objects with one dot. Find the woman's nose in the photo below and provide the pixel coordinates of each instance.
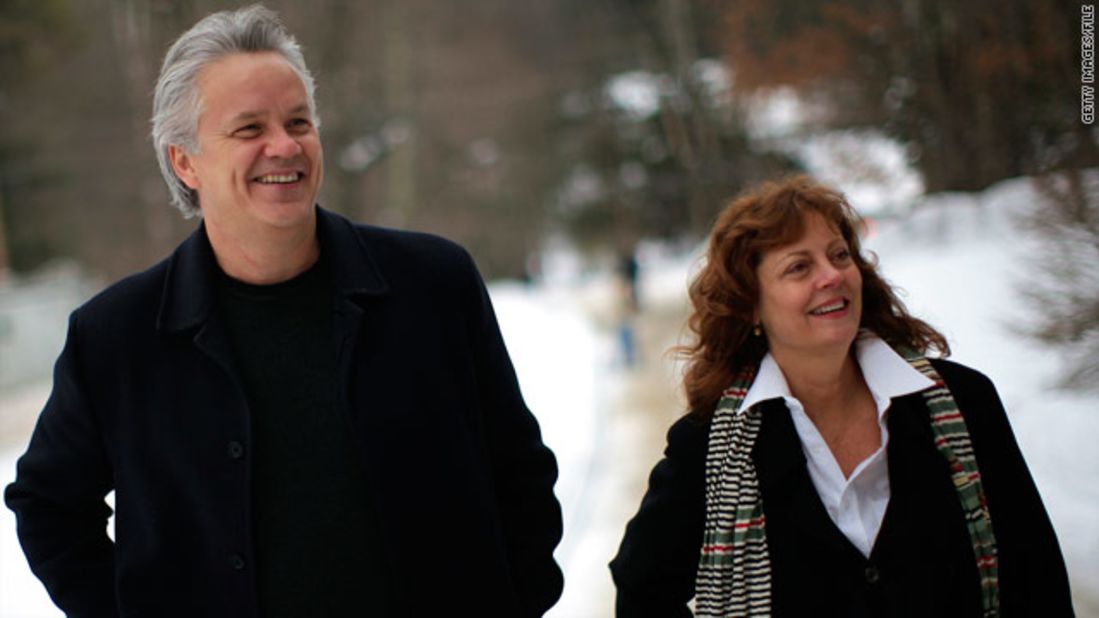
(829, 276)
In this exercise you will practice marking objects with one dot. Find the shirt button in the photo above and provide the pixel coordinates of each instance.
(236, 562)
(872, 575)
(236, 450)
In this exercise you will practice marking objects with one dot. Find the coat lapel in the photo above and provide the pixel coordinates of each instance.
(357, 278)
(188, 295)
(188, 299)
(918, 474)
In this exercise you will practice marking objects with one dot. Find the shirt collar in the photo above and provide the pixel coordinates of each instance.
(887, 375)
(768, 384)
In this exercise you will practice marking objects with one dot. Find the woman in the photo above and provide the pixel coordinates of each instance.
(827, 467)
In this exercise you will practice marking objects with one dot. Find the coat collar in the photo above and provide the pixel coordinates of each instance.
(188, 296)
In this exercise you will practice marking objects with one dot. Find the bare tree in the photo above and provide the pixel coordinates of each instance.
(980, 91)
(1063, 286)
(26, 50)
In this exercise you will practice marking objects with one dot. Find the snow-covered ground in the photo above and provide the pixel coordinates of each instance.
(960, 260)
(559, 357)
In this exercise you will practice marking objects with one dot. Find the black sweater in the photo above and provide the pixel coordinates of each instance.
(317, 543)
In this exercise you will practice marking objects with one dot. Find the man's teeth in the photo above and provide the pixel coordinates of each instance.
(272, 179)
(836, 306)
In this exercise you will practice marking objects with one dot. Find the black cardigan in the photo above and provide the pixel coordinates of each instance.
(922, 563)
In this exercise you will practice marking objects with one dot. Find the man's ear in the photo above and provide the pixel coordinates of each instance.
(184, 166)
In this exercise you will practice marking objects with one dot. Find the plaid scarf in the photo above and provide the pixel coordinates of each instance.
(734, 571)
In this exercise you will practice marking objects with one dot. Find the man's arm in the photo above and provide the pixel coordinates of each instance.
(58, 496)
(524, 469)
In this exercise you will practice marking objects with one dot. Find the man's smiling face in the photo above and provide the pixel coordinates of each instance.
(259, 160)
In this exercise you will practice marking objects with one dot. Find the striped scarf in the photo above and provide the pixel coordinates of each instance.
(734, 570)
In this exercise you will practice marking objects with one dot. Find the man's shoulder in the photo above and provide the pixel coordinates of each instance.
(416, 266)
(131, 298)
(398, 253)
(407, 244)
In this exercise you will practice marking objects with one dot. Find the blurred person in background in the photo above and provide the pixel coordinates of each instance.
(299, 416)
(827, 466)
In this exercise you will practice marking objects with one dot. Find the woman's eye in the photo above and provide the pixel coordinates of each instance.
(796, 268)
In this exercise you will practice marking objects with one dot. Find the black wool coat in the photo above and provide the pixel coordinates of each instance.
(146, 402)
(922, 563)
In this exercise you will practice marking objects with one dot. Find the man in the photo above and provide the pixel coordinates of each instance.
(298, 416)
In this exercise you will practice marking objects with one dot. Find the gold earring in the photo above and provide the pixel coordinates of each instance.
(757, 331)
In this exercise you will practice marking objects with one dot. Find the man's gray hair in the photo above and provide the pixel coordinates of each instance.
(177, 101)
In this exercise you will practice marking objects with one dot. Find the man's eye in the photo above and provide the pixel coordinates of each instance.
(299, 124)
(248, 130)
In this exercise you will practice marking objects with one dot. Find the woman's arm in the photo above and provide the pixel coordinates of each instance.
(1033, 579)
(654, 570)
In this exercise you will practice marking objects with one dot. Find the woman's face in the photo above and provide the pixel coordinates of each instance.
(810, 299)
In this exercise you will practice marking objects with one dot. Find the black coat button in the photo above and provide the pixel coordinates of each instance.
(236, 562)
(236, 450)
(872, 575)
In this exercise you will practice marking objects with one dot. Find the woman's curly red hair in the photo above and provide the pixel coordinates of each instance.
(725, 292)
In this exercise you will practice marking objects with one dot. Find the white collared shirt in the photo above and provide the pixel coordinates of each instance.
(857, 503)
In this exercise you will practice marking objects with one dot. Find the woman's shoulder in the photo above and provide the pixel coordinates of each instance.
(691, 424)
(976, 397)
(688, 436)
(958, 376)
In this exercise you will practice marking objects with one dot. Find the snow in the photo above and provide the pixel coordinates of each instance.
(872, 168)
(637, 93)
(556, 353)
(961, 260)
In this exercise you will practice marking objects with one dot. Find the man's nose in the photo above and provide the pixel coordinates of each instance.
(282, 145)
